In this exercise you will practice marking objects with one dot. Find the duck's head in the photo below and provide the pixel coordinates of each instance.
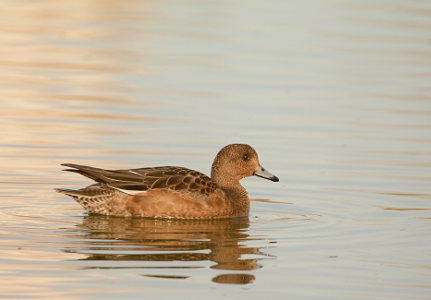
(236, 161)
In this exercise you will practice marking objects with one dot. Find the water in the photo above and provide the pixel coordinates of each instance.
(334, 95)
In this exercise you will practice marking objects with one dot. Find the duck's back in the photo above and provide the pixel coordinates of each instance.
(170, 178)
(134, 181)
(151, 192)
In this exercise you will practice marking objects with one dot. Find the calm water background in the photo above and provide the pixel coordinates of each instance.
(334, 95)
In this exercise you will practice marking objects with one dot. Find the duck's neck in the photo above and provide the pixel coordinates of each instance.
(236, 194)
(239, 197)
(229, 183)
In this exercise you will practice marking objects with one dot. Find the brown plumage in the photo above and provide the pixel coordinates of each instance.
(172, 192)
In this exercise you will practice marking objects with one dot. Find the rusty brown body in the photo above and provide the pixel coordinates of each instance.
(172, 192)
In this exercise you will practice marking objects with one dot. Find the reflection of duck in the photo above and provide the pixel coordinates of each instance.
(173, 192)
(112, 239)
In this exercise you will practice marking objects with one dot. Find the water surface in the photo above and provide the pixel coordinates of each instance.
(335, 97)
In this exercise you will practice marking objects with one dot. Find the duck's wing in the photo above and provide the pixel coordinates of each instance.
(135, 181)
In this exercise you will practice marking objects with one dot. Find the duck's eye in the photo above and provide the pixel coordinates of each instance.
(245, 157)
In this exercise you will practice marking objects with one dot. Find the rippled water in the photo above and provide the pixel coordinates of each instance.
(334, 95)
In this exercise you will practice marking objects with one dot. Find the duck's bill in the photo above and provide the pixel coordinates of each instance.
(262, 172)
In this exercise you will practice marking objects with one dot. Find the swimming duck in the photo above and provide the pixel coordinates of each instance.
(172, 192)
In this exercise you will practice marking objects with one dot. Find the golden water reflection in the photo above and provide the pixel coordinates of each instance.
(141, 240)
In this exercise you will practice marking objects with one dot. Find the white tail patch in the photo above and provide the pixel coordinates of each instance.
(128, 192)
(133, 172)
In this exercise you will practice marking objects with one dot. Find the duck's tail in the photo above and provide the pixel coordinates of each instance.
(95, 198)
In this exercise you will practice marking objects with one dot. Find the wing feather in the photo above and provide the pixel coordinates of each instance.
(133, 181)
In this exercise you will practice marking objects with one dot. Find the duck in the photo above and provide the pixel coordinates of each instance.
(170, 191)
